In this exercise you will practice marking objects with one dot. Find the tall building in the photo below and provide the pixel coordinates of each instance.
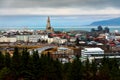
(48, 27)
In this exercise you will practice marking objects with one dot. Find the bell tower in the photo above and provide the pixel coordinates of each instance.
(48, 23)
(48, 26)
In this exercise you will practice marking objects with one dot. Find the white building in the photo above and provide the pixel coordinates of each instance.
(44, 37)
(88, 52)
(8, 39)
(62, 41)
(117, 37)
(34, 38)
(50, 40)
(72, 39)
(59, 40)
(24, 38)
(109, 37)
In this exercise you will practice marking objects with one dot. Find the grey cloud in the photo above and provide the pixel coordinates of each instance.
(95, 4)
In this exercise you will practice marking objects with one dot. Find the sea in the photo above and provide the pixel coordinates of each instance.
(59, 22)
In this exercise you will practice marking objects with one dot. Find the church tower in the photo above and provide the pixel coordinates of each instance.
(48, 23)
(48, 27)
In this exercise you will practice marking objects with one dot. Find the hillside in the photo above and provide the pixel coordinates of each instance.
(110, 22)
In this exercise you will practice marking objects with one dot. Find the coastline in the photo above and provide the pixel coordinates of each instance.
(84, 28)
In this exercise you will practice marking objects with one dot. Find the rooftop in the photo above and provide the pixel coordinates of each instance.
(93, 49)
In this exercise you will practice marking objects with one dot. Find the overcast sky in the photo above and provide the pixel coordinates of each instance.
(59, 7)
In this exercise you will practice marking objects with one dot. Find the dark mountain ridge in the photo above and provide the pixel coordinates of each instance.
(110, 22)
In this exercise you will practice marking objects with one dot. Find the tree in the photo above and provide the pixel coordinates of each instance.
(57, 69)
(5, 74)
(115, 73)
(77, 41)
(114, 69)
(93, 30)
(100, 28)
(66, 71)
(76, 70)
(94, 70)
(25, 71)
(1, 60)
(36, 66)
(104, 70)
(87, 70)
(7, 60)
(16, 63)
(106, 29)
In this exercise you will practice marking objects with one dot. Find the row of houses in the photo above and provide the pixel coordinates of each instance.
(32, 38)
(24, 38)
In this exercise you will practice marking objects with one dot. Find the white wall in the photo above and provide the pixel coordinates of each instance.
(22, 37)
(8, 39)
(50, 40)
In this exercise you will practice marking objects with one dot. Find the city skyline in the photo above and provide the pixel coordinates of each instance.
(56, 7)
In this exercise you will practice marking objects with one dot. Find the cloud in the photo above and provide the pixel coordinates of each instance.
(54, 11)
(100, 4)
(62, 7)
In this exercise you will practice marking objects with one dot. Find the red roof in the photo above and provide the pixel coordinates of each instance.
(112, 44)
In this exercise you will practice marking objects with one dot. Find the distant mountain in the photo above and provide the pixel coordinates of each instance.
(110, 22)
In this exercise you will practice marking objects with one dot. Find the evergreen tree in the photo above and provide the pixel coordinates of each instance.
(77, 41)
(36, 66)
(5, 74)
(46, 66)
(25, 71)
(114, 69)
(66, 71)
(1, 61)
(100, 28)
(114, 74)
(7, 60)
(76, 71)
(16, 63)
(57, 70)
(106, 30)
(29, 73)
(93, 30)
(87, 70)
(94, 70)
(104, 70)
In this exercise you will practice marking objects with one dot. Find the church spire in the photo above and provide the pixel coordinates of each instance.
(48, 19)
(48, 26)
(48, 23)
